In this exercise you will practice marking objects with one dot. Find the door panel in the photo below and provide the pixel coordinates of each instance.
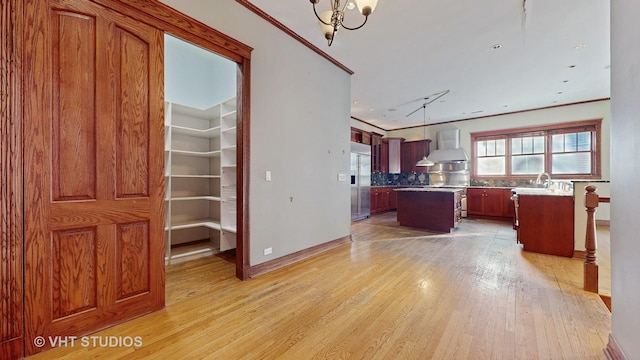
(94, 185)
(73, 127)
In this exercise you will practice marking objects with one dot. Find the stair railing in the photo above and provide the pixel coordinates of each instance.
(591, 200)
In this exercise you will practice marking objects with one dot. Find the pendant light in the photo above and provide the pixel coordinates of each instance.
(332, 20)
(424, 162)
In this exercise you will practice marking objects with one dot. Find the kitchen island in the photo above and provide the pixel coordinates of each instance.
(544, 221)
(436, 209)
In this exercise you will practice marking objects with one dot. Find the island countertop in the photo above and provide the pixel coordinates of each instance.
(424, 189)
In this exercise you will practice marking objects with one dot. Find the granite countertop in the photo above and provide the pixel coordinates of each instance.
(440, 189)
(541, 192)
(489, 187)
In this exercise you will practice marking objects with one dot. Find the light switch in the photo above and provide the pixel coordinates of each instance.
(342, 177)
(267, 175)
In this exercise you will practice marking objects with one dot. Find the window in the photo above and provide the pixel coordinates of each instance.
(567, 150)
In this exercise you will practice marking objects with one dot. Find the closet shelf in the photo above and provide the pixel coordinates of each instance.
(200, 146)
(203, 154)
(196, 223)
(203, 133)
(229, 228)
(204, 176)
(201, 197)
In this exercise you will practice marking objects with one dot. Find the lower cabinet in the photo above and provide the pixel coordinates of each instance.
(546, 224)
(383, 199)
(490, 202)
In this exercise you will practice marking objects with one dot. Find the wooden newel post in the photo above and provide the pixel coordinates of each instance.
(591, 200)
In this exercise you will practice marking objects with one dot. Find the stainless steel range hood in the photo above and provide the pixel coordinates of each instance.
(451, 162)
(448, 147)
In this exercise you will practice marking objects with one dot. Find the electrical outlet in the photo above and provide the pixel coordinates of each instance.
(268, 251)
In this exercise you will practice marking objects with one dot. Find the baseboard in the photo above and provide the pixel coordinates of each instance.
(606, 299)
(612, 351)
(297, 256)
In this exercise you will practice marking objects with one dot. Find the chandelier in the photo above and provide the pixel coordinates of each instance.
(332, 20)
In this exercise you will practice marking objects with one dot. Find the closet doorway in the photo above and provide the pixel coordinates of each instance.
(201, 153)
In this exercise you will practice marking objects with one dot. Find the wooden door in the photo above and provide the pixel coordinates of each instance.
(93, 193)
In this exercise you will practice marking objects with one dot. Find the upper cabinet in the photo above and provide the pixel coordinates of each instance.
(376, 152)
(411, 153)
(360, 136)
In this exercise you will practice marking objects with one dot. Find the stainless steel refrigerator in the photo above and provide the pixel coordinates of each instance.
(360, 181)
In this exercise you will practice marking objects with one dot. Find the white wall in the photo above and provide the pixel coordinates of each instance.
(300, 120)
(588, 111)
(625, 172)
(196, 77)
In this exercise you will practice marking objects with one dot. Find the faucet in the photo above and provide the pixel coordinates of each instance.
(539, 179)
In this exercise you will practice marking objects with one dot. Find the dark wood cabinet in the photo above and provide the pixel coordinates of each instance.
(546, 224)
(382, 199)
(366, 138)
(384, 157)
(411, 153)
(376, 152)
(436, 210)
(360, 136)
(490, 202)
(356, 135)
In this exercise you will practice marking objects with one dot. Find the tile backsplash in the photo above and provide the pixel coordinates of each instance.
(504, 183)
(402, 179)
(422, 179)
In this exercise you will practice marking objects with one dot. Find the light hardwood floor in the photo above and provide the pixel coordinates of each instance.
(394, 293)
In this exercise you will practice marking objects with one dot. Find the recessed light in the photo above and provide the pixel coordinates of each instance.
(571, 66)
(565, 81)
(496, 46)
(559, 92)
(371, 109)
(355, 102)
(392, 109)
(505, 106)
(580, 46)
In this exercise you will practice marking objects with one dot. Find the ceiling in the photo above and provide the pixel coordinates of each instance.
(494, 57)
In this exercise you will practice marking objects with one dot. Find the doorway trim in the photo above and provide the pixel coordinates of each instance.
(11, 195)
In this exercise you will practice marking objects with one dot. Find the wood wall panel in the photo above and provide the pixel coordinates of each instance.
(133, 254)
(74, 272)
(11, 340)
(73, 127)
(133, 115)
